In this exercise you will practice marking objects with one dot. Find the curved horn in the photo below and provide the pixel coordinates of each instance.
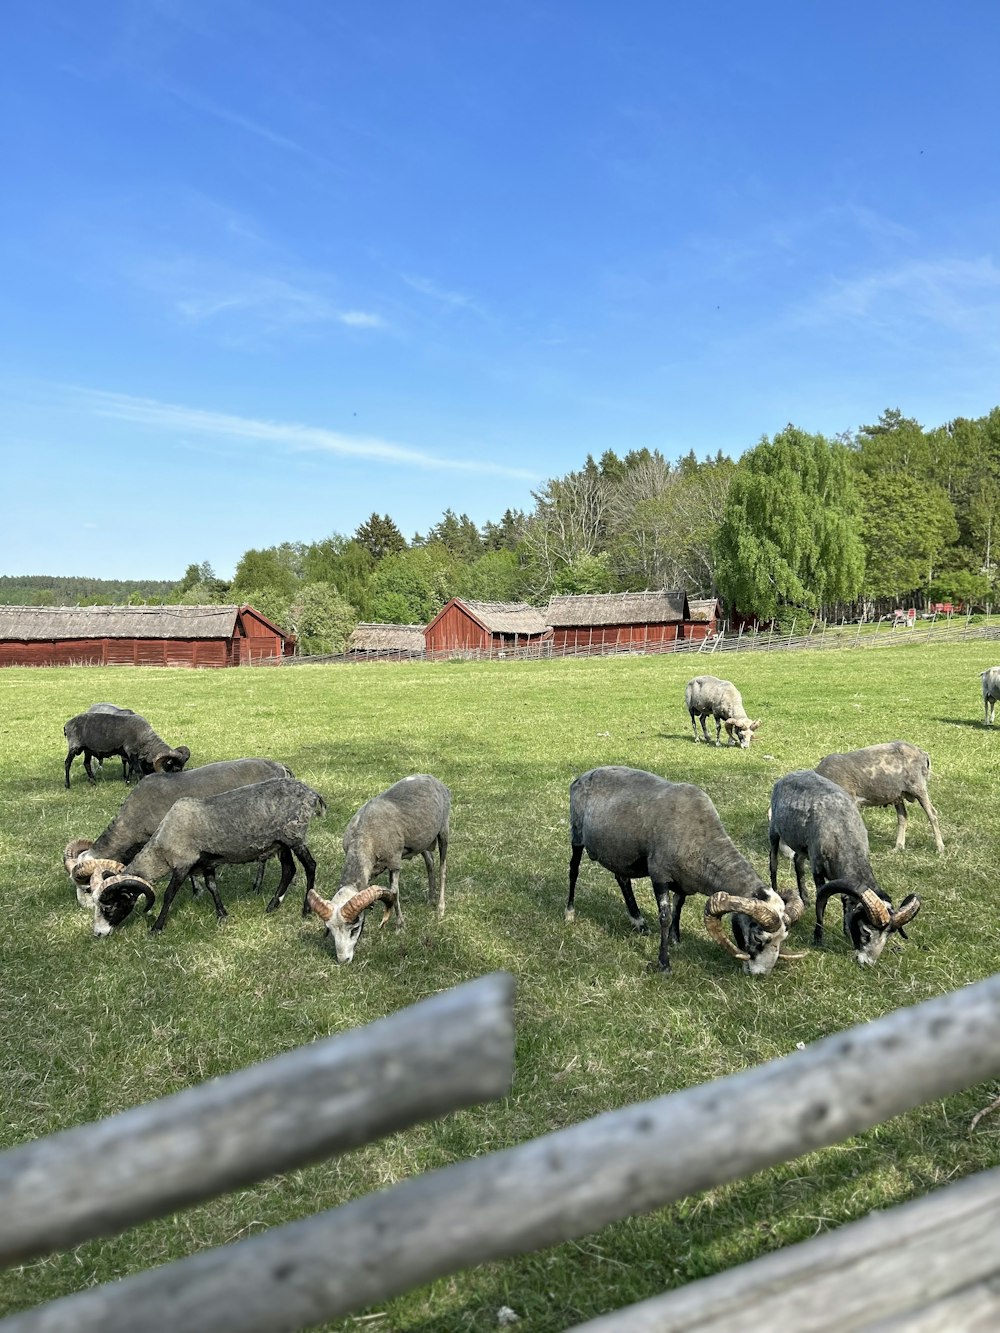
(875, 909)
(319, 905)
(353, 908)
(72, 851)
(96, 870)
(129, 888)
(789, 957)
(794, 910)
(907, 910)
(753, 907)
(160, 760)
(716, 907)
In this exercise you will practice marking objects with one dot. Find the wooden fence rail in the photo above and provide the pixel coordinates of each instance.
(453, 1050)
(555, 1188)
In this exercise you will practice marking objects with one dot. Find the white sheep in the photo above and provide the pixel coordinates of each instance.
(706, 696)
(408, 819)
(991, 692)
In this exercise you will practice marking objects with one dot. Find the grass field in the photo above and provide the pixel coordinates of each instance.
(91, 1027)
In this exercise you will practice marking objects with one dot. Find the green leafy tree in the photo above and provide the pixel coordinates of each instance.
(588, 573)
(268, 568)
(497, 576)
(347, 565)
(269, 602)
(321, 619)
(906, 526)
(409, 588)
(790, 531)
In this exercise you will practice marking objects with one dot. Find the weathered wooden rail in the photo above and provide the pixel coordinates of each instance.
(567, 1184)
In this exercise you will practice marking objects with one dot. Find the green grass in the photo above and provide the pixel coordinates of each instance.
(92, 1027)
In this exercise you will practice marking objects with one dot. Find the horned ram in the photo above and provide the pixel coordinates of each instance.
(408, 819)
(708, 696)
(637, 824)
(195, 835)
(100, 735)
(883, 775)
(820, 824)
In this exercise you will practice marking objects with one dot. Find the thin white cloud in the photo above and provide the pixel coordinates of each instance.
(196, 102)
(361, 319)
(176, 418)
(456, 300)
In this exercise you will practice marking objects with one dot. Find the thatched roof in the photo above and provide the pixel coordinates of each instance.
(618, 608)
(704, 609)
(375, 638)
(43, 623)
(506, 617)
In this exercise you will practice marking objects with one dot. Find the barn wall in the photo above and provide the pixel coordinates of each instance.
(455, 630)
(116, 652)
(254, 640)
(700, 629)
(578, 638)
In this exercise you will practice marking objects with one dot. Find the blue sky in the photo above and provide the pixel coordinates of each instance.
(269, 267)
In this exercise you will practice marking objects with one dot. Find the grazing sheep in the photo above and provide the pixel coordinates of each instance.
(113, 708)
(232, 828)
(991, 692)
(144, 808)
(410, 817)
(819, 822)
(636, 824)
(706, 696)
(889, 774)
(98, 735)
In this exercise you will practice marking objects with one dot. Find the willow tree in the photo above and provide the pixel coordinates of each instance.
(790, 532)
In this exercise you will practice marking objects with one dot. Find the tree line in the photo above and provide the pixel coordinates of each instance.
(800, 524)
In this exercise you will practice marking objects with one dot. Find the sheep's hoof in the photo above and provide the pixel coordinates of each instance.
(439, 913)
(640, 927)
(275, 903)
(662, 968)
(570, 915)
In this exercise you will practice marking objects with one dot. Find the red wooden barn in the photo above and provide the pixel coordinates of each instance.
(704, 618)
(202, 636)
(488, 627)
(600, 622)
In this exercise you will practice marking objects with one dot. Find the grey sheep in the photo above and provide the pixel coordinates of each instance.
(636, 824)
(232, 828)
(113, 708)
(991, 693)
(144, 808)
(97, 735)
(408, 819)
(708, 696)
(888, 774)
(819, 822)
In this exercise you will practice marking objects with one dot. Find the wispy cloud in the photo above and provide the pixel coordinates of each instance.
(292, 435)
(196, 102)
(960, 295)
(455, 300)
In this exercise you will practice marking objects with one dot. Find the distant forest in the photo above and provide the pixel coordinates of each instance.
(893, 513)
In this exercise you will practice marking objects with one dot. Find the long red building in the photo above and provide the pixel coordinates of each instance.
(190, 636)
(601, 621)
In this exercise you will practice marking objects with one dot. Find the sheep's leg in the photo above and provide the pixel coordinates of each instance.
(631, 906)
(900, 825)
(220, 911)
(718, 730)
(73, 752)
(258, 879)
(429, 863)
(704, 729)
(694, 728)
(177, 878)
(661, 892)
(772, 861)
(443, 858)
(88, 759)
(675, 920)
(309, 866)
(287, 875)
(799, 862)
(931, 813)
(398, 921)
(574, 869)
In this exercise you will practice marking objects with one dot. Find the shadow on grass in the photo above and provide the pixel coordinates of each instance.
(972, 723)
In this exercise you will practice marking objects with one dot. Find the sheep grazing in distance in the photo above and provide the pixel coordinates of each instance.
(144, 808)
(889, 774)
(819, 822)
(97, 735)
(636, 824)
(991, 692)
(113, 708)
(411, 817)
(708, 696)
(232, 828)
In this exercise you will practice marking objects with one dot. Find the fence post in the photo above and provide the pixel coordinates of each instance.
(791, 634)
(770, 636)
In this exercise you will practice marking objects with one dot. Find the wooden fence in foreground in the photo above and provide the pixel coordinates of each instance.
(929, 1265)
(879, 634)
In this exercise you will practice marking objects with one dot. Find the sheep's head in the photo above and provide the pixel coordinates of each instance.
(869, 920)
(344, 914)
(740, 731)
(171, 761)
(111, 894)
(759, 928)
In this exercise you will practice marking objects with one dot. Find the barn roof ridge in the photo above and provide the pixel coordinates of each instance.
(30, 623)
(613, 608)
